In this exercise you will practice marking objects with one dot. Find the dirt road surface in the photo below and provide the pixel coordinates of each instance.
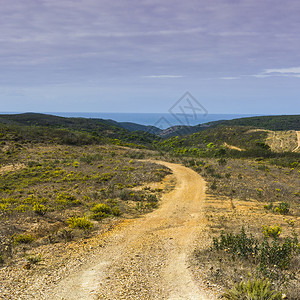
(9, 168)
(147, 258)
(298, 139)
(233, 147)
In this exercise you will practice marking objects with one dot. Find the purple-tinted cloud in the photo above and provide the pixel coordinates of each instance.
(92, 43)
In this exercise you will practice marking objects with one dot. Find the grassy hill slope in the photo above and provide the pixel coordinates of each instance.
(76, 131)
(276, 123)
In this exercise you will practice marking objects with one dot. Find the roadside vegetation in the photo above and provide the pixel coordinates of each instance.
(62, 193)
(253, 221)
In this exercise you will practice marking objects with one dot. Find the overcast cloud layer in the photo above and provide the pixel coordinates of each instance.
(141, 56)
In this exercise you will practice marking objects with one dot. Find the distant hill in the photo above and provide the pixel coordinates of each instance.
(236, 140)
(137, 127)
(29, 126)
(275, 123)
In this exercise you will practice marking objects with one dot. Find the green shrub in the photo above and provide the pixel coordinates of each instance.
(267, 256)
(272, 231)
(277, 255)
(66, 199)
(116, 211)
(22, 208)
(283, 208)
(256, 289)
(101, 211)
(40, 209)
(239, 244)
(80, 222)
(33, 258)
(130, 195)
(268, 206)
(101, 207)
(23, 239)
(152, 198)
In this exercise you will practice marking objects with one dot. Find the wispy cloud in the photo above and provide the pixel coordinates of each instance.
(163, 76)
(279, 72)
(291, 71)
(229, 78)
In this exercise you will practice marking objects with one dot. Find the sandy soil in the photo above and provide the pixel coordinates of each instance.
(233, 147)
(280, 141)
(298, 138)
(9, 168)
(147, 258)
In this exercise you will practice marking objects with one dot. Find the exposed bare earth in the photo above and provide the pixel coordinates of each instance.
(298, 139)
(146, 258)
(9, 168)
(280, 141)
(233, 147)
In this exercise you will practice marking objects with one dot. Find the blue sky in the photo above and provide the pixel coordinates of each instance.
(234, 56)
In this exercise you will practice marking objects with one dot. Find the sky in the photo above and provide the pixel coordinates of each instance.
(233, 56)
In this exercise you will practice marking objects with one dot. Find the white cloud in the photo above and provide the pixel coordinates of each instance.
(164, 76)
(291, 71)
(229, 78)
(280, 72)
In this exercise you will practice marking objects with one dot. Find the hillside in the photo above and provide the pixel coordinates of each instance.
(235, 141)
(42, 127)
(275, 123)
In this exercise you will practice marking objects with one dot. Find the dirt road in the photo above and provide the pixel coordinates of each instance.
(298, 139)
(9, 168)
(147, 258)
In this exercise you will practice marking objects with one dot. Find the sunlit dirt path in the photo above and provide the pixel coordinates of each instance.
(147, 258)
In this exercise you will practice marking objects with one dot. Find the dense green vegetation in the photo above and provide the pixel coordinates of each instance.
(285, 122)
(32, 127)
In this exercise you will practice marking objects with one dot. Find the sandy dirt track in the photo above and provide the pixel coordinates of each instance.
(298, 139)
(233, 147)
(147, 258)
(9, 168)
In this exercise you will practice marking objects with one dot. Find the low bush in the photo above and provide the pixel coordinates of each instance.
(65, 199)
(268, 257)
(283, 208)
(23, 239)
(80, 222)
(239, 244)
(268, 206)
(116, 211)
(276, 255)
(272, 231)
(40, 209)
(256, 289)
(101, 211)
(34, 258)
(152, 198)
